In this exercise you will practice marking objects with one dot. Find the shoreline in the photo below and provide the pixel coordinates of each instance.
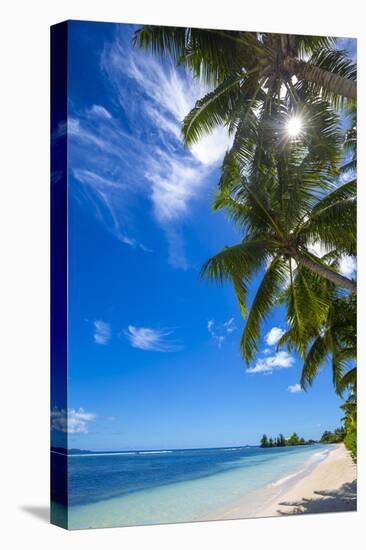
(328, 486)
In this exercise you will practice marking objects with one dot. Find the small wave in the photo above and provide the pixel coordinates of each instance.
(317, 457)
(127, 453)
(284, 479)
(122, 453)
(154, 452)
(119, 453)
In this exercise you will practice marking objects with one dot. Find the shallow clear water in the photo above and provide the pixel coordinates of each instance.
(116, 489)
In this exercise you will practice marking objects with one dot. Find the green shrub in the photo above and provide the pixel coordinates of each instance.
(350, 442)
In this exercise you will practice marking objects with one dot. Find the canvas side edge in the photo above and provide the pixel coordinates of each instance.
(59, 222)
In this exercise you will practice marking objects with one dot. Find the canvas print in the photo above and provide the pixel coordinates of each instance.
(203, 293)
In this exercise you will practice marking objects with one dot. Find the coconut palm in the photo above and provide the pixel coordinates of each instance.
(327, 338)
(251, 67)
(273, 58)
(331, 336)
(281, 194)
(283, 208)
(337, 340)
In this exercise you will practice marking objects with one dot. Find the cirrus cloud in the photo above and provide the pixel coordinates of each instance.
(133, 145)
(219, 332)
(149, 339)
(102, 332)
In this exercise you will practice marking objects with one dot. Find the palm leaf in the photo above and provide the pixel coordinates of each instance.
(265, 299)
(238, 263)
(314, 359)
(214, 109)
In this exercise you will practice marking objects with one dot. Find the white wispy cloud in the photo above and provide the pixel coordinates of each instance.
(100, 111)
(114, 160)
(229, 325)
(149, 339)
(145, 248)
(175, 182)
(171, 95)
(295, 388)
(176, 246)
(273, 336)
(176, 176)
(220, 331)
(102, 332)
(99, 164)
(71, 421)
(281, 360)
(107, 192)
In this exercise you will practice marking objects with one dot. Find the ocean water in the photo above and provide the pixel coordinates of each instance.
(149, 487)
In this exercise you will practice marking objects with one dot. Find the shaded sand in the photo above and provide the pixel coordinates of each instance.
(330, 487)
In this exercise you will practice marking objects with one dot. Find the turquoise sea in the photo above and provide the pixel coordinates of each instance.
(150, 487)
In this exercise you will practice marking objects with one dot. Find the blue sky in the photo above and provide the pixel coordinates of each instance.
(154, 351)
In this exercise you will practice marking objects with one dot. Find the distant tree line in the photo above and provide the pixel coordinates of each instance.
(281, 441)
(333, 437)
(348, 432)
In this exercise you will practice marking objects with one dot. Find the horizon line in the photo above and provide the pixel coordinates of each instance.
(134, 451)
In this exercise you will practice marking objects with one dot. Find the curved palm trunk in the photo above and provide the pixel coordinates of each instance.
(330, 81)
(325, 272)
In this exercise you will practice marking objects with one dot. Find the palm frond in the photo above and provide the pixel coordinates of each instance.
(212, 110)
(308, 44)
(265, 299)
(307, 308)
(314, 360)
(238, 263)
(333, 220)
(333, 61)
(211, 55)
(348, 380)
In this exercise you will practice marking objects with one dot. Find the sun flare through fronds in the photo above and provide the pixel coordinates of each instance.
(294, 126)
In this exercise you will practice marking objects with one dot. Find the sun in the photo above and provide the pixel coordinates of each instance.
(294, 126)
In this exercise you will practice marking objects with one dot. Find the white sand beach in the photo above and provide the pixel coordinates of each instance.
(329, 487)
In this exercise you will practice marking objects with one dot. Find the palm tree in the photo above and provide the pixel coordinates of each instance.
(283, 208)
(336, 339)
(333, 337)
(318, 338)
(257, 68)
(280, 193)
(328, 337)
(273, 58)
